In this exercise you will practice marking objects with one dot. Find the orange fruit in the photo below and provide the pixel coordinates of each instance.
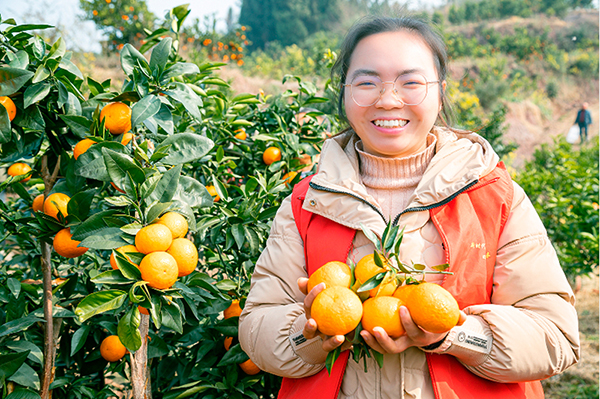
(384, 312)
(367, 268)
(433, 308)
(127, 137)
(333, 273)
(213, 191)
(112, 349)
(233, 310)
(38, 203)
(65, 246)
(159, 269)
(186, 255)
(117, 117)
(143, 310)
(337, 310)
(56, 202)
(271, 154)
(240, 134)
(124, 249)
(18, 169)
(82, 147)
(117, 188)
(8, 103)
(175, 222)
(152, 238)
(249, 367)
(288, 177)
(404, 291)
(227, 343)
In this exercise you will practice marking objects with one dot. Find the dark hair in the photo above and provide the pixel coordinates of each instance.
(372, 25)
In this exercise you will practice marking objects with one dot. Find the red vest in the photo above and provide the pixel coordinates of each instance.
(470, 225)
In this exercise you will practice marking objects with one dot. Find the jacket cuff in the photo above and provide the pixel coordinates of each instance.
(309, 350)
(470, 343)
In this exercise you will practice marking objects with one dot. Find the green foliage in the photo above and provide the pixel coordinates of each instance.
(562, 182)
(123, 21)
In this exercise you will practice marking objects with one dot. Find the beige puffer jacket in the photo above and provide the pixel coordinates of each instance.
(528, 332)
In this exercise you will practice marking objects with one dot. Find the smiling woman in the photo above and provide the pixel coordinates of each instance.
(394, 168)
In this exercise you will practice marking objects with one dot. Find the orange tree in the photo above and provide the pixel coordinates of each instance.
(187, 130)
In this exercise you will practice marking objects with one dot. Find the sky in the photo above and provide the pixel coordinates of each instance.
(82, 35)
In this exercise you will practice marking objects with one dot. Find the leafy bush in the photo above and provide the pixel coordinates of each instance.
(562, 182)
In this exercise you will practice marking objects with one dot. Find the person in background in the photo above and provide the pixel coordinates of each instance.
(584, 118)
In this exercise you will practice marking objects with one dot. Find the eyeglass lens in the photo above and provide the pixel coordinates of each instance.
(410, 88)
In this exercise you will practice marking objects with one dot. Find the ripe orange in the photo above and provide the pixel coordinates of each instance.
(65, 246)
(271, 154)
(117, 117)
(332, 273)
(227, 343)
(38, 203)
(82, 147)
(112, 349)
(233, 310)
(186, 255)
(56, 202)
(159, 269)
(249, 367)
(384, 312)
(127, 137)
(18, 169)
(213, 191)
(154, 237)
(143, 310)
(124, 249)
(404, 291)
(240, 134)
(433, 308)
(8, 103)
(367, 268)
(175, 222)
(337, 310)
(288, 177)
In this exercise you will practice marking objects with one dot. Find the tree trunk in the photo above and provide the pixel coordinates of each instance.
(140, 373)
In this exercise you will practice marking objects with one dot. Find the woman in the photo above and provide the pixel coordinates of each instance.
(518, 323)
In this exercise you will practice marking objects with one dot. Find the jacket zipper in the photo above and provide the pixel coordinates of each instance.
(329, 190)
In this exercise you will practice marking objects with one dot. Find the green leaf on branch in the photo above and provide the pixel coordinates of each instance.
(331, 358)
(170, 316)
(128, 269)
(144, 109)
(190, 191)
(234, 355)
(9, 364)
(119, 165)
(128, 330)
(35, 93)
(132, 59)
(12, 79)
(178, 69)
(19, 325)
(91, 164)
(80, 125)
(100, 302)
(186, 147)
(373, 282)
(79, 338)
(156, 210)
(111, 277)
(79, 205)
(166, 187)
(104, 238)
(188, 98)
(160, 54)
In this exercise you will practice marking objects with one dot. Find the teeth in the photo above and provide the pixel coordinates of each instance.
(391, 123)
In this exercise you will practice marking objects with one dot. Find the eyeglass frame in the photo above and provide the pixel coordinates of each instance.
(394, 92)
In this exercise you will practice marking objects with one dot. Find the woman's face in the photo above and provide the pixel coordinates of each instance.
(389, 128)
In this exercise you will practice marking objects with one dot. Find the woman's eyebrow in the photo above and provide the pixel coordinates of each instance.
(371, 72)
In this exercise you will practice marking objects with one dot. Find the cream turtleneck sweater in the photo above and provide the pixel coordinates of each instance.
(392, 181)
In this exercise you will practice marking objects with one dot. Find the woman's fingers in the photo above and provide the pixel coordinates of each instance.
(333, 342)
(303, 285)
(308, 300)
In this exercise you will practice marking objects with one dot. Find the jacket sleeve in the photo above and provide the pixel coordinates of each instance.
(271, 324)
(531, 327)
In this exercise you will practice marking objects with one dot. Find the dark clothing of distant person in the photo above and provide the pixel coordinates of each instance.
(584, 118)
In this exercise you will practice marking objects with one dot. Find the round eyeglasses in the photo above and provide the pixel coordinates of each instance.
(409, 88)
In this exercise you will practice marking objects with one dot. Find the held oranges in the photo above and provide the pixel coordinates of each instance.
(433, 308)
(213, 191)
(186, 255)
(233, 310)
(159, 269)
(117, 117)
(333, 273)
(38, 203)
(9, 104)
(337, 310)
(384, 312)
(404, 291)
(152, 238)
(176, 223)
(367, 268)
(123, 250)
(55, 203)
(112, 349)
(18, 169)
(271, 154)
(67, 247)
(82, 147)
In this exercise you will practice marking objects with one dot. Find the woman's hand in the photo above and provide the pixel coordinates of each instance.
(414, 335)
(311, 329)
